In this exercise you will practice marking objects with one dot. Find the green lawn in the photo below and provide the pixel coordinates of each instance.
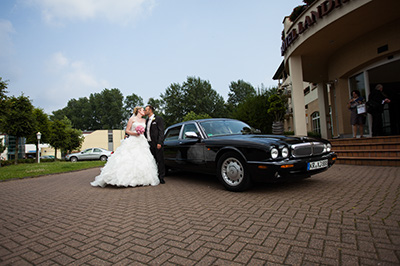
(37, 169)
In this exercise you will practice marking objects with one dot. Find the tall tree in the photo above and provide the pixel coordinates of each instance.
(103, 110)
(201, 98)
(58, 135)
(157, 104)
(18, 120)
(130, 102)
(172, 99)
(111, 108)
(74, 140)
(254, 111)
(3, 89)
(3, 98)
(43, 126)
(239, 91)
(63, 137)
(194, 95)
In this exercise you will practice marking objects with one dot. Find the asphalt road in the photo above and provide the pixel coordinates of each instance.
(349, 215)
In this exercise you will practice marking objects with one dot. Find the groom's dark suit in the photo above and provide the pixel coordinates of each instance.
(157, 137)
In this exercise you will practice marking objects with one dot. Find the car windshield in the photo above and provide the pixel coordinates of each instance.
(225, 127)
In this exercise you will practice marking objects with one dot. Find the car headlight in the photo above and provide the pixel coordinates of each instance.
(274, 153)
(328, 147)
(285, 152)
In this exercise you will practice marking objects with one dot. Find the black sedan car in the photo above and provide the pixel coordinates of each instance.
(239, 156)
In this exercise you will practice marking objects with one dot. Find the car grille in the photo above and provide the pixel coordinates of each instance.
(308, 149)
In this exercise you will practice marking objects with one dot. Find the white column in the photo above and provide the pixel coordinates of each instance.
(323, 109)
(299, 111)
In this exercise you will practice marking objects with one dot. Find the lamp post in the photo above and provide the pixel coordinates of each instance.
(38, 135)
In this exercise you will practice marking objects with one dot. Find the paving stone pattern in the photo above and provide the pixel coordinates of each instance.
(348, 215)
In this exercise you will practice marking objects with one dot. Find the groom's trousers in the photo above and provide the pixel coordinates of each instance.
(159, 157)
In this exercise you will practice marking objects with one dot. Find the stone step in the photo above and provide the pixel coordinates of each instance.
(377, 151)
(384, 153)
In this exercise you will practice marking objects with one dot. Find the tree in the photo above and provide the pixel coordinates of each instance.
(172, 104)
(58, 134)
(277, 107)
(239, 91)
(157, 104)
(3, 89)
(18, 120)
(199, 97)
(130, 102)
(103, 110)
(74, 140)
(253, 111)
(64, 137)
(194, 95)
(111, 110)
(3, 98)
(43, 126)
(193, 116)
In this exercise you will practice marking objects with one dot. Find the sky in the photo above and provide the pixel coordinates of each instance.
(56, 50)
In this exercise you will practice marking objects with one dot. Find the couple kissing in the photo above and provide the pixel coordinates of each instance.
(139, 160)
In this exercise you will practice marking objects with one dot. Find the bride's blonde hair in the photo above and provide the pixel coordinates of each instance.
(136, 110)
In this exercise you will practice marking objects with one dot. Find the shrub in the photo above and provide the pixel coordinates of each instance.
(296, 12)
(308, 2)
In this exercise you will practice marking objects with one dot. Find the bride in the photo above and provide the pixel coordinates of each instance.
(132, 164)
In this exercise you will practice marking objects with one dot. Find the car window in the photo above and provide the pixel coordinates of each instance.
(224, 127)
(87, 151)
(173, 133)
(96, 150)
(190, 128)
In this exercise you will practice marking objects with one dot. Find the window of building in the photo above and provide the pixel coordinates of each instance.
(316, 124)
(306, 90)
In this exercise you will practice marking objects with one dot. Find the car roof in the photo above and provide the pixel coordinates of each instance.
(203, 120)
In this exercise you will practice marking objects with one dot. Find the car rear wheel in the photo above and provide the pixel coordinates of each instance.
(103, 158)
(74, 159)
(232, 172)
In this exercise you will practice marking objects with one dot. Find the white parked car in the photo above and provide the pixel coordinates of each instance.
(89, 154)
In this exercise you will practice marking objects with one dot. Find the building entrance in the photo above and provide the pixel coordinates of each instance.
(389, 76)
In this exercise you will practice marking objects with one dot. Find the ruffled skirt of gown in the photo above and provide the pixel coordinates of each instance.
(132, 164)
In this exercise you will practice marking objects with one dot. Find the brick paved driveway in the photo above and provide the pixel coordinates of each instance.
(348, 215)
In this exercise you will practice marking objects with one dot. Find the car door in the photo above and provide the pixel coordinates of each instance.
(96, 154)
(86, 154)
(171, 144)
(191, 149)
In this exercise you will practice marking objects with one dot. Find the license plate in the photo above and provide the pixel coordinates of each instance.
(317, 165)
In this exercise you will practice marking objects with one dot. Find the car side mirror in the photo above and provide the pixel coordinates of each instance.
(191, 135)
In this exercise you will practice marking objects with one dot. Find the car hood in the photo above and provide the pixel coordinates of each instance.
(267, 139)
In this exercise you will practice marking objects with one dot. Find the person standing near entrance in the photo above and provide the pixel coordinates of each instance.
(357, 119)
(154, 133)
(376, 101)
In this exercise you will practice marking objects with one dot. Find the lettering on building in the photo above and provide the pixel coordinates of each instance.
(321, 11)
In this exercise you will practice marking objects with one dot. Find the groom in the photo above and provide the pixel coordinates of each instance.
(155, 136)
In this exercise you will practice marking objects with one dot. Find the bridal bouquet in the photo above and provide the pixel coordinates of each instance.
(139, 129)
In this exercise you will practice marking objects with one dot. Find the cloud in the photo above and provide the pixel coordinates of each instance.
(6, 44)
(120, 11)
(69, 79)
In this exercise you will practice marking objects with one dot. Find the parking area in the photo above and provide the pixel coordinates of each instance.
(348, 215)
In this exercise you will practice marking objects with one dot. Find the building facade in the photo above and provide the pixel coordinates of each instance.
(332, 48)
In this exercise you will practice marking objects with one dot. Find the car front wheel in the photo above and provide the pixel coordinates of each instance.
(232, 172)
(103, 158)
(74, 159)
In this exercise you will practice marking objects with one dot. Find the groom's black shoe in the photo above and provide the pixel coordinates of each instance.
(162, 181)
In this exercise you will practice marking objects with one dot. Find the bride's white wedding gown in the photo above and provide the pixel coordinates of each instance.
(132, 164)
